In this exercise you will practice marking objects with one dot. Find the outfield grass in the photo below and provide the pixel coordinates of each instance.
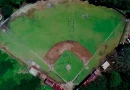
(47, 27)
(111, 43)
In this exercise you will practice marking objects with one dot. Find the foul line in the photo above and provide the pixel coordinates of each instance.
(94, 55)
(38, 56)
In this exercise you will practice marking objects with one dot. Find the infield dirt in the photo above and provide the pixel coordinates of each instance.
(56, 51)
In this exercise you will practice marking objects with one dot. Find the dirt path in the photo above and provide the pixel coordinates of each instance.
(56, 51)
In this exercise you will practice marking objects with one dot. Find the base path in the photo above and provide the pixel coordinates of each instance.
(56, 51)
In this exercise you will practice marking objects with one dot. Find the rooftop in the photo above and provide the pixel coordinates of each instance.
(34, 71)
(105, 65)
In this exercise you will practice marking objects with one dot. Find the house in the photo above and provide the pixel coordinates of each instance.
(34, 71)
(105, 65)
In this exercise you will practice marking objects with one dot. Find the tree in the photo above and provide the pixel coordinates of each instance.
(3, 56)
(99, 84)
(8, 84)
(123, 86)
(31, 1)
(121, 57)
(20, 82)
(120, 4)
(8, 2)
(7, 10)
(3, 2)
(28, 82)
(8, 5)
(5, 66)
(115, 79)
(17, 1)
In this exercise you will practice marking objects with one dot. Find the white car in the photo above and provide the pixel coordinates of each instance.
(128, 39)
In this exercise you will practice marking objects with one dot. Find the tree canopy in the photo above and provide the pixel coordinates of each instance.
(120, 4)
(11, 79)
(115, 79)
(121, 57)
(8, 5)
(119, 78)
(7, 10)
(110, 81)
(28, 83)
(99, 84)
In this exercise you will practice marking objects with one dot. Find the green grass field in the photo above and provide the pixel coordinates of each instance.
(45, 28)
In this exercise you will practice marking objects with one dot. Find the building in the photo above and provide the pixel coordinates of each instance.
(34, 71)
(43, 76)
(105, 65)
(53, 84)
(91, 77)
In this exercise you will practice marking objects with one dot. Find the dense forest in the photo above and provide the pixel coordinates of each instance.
(123, 5)
(118, 76)
(7, 6)
(14, 77)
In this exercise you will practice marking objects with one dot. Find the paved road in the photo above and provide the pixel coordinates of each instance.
(127, 33)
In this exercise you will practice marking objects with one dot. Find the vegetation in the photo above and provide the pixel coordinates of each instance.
(124, 5)
(7, 10)
(110, 81)
(12, 78)
(21, 82)
(120, 4)
(7, 6)
(121, 57)
(115, 79)
(31, 1)
(99, 84)
(28, 82)
(119, 78)
(5, 64)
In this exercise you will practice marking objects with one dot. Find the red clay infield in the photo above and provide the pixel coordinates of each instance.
(56, 51)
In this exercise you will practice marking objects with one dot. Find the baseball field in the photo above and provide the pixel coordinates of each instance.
(67, 40)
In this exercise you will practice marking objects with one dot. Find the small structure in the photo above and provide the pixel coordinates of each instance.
(53, 84)
(97, 72)
(49, 82)
(92, 77)
(43, 76)
(105, 65)
(34, 71)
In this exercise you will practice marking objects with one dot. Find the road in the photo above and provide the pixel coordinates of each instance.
(126, 33)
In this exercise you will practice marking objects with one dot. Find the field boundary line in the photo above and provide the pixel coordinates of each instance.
(94, 54)
(37, 56)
